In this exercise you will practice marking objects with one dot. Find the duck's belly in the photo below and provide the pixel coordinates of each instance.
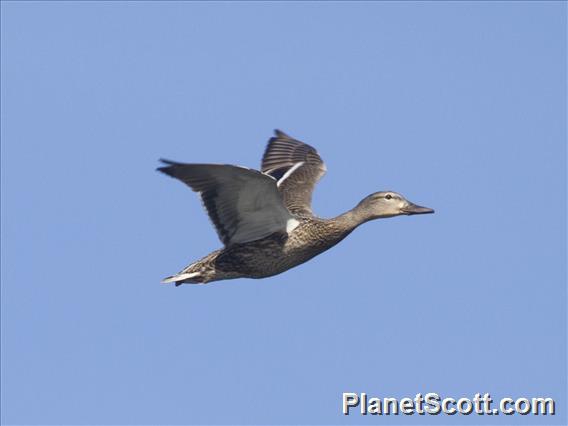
(270, 256)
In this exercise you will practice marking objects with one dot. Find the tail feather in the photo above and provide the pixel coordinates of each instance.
(179, 279)
(200, 272)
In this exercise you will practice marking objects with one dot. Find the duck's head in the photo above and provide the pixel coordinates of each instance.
(388, 204)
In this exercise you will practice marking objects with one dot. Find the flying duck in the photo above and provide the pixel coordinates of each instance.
(264, 218)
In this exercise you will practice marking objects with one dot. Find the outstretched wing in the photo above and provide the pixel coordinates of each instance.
(244, 204)
(297, 167)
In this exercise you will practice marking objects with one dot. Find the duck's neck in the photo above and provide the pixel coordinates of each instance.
(355, 217)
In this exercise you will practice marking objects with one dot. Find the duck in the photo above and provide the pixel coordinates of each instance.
(264, 217)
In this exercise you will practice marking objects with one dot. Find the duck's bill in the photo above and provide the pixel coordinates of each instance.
(415, 209)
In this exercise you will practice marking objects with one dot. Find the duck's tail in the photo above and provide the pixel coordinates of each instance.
(200, 272)
(183, 278)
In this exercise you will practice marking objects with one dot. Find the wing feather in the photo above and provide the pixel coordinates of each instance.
(243, 204)
(297, 167)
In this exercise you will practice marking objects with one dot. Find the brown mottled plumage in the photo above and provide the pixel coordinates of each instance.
(265, 218)
(271, 255)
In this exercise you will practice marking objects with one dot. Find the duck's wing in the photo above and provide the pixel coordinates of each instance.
(297, 167)
(243, 204)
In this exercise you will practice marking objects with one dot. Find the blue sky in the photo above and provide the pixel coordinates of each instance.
(459, 106)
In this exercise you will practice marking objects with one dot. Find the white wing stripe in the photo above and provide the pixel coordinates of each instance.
(291, 225)
(289, 172)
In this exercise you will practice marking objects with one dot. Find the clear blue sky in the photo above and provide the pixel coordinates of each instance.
(459, 106)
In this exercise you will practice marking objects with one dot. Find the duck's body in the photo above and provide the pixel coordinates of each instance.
(265, 218)
(268, 256)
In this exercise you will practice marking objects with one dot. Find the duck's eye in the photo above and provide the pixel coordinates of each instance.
(388, 196)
